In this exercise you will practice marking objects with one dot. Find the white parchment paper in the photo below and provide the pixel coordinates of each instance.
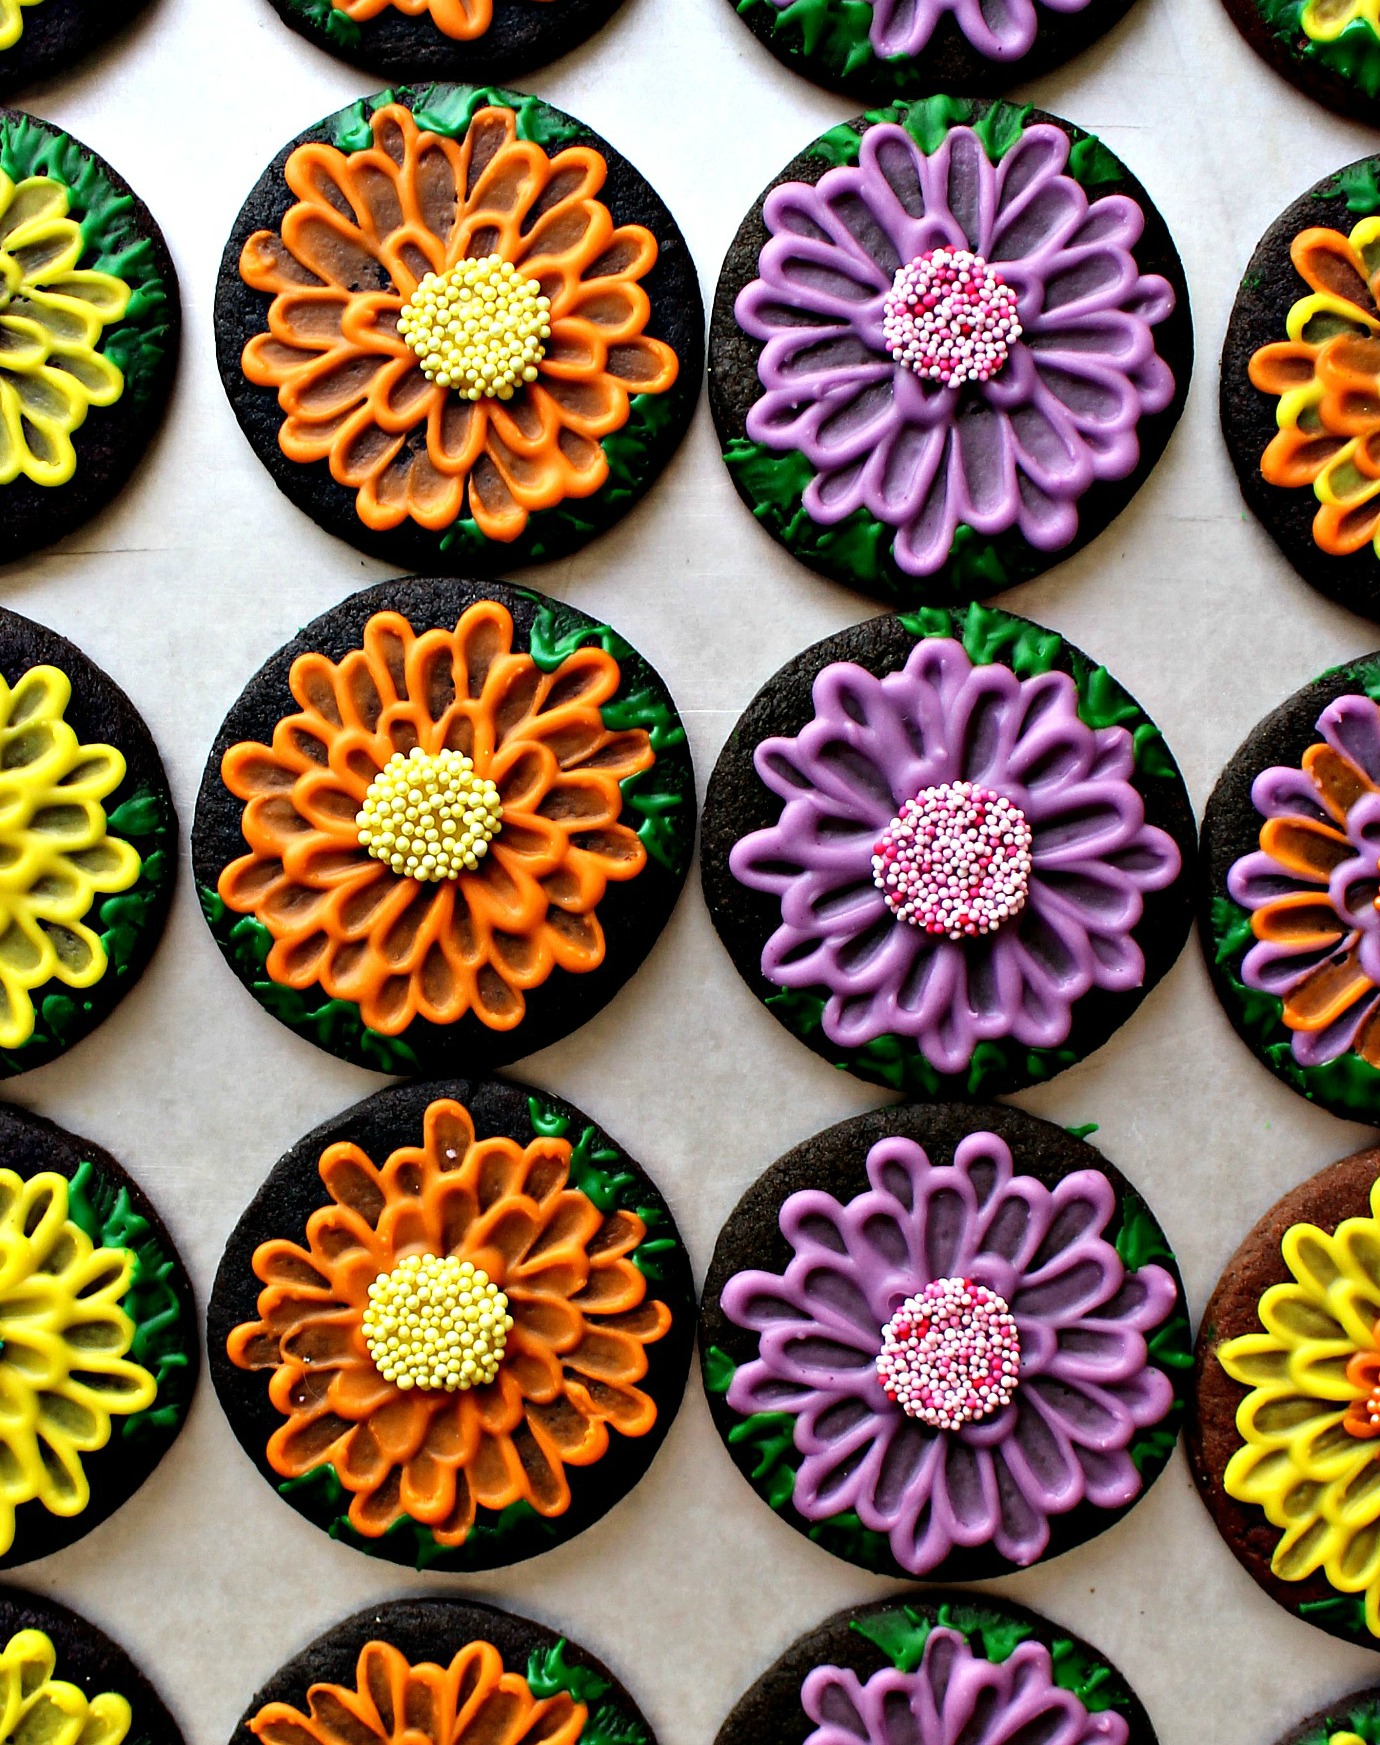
(691, 1586)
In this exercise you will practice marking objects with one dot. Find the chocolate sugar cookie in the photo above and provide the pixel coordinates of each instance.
(89, 329)
(1352, 1720)
(929, 1667)
(444, 825)
(948, 344)
(462, 1674)
(99, 1358)
(1287, 1411)
(41, 37)
(453, 1327)
(948, 852)
(518, 438)
(945, 1342)
(1290, 873)
(88, 837)
(1328, 49)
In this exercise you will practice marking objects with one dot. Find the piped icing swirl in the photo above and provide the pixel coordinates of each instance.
(1076, 1384)
(38, 1707)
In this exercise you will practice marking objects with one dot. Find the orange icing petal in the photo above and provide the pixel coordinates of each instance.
(1340, 530)
(1331, 989)
(1282, 366)
(1310, 850)
(1340, 783)
(1295, 457)
(1298, 918)
(1328, 262)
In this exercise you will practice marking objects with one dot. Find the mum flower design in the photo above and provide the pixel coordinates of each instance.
(461, 20)
(56, 856)
(1085, 1385)
(573, 1356)
(1312, 886)
(36, 1706)
(64, 1372)
(1327, 377)
(472, 939)
(51, 316)
(1309, 1423)
(1018, 449)
(351, 255)
(955, 1694)
(873, 746)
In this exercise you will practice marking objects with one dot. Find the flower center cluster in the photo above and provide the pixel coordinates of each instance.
(478, 327)
(950, 317)
(428, 815)
(435, 1322)
(951, 1355)
(955, 860)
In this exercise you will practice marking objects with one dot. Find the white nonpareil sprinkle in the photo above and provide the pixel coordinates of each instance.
(436, 1322)
(427, 815)
(955, 860)
(951, 1355)
(950, 317)
(478, 327)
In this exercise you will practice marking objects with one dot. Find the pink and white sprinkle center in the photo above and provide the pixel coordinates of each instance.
(955, 860)
(951, 1355)
(950, 317)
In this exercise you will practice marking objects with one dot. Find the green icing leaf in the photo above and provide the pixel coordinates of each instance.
(339, 27)
(1091, 1680)
(838, 146)
(161, 1337)
(834, 30)
(1093, 166)
(549, 1673)
(719, 1370)
(1339, 1612)
(1001, 127)
(928, 122)
(1360, 185)
(1085, 1131)
(901, 1634)
(1140, 1241)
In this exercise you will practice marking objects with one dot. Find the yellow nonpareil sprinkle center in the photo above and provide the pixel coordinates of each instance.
(436, 1322)
(478, 327)
(428, 815)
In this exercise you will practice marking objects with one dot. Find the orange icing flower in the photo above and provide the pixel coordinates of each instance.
(352, 257)
(575, 1351)
(1327, 377)
(463, 20)
(473, 1701)
(436, 942)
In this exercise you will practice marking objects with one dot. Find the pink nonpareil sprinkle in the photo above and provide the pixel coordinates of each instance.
(950, 1355)
(955, 860)
(950, 317)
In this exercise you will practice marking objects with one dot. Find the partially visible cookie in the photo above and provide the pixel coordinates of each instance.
(1351, 1720)
(945, 1342)
(88, 837)
(453, 1327)
(515, 441)
(41, 37)
(444, 824)
(931, 1666)
(1282, 1438)
(89, 327)
(99, 1357)
(1329, 51)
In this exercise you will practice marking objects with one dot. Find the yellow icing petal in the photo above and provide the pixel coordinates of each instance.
(100, 380)
(1320, 316)
(1256, 1360)
(35, 199)
(1325, 20)
(101, 295)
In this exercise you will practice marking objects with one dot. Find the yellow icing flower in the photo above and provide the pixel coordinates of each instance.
(1325, 20)
(1311, 1422)
(55, 855)
(12, 21)
(51, 316)
(38, 1709)
(63, 1340)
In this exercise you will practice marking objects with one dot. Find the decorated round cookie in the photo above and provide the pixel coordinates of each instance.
(1282, 1438)
(89, 326)
(1300, 380)
(948, 852)
(454, 1325)
(928, 1667)
(62, 1678)
(444, 825)
(98, 1340)
(945, 1342)
(947, 346)
(458, 328)
(1290, 872)
(444, 1673)
(88, 839)
(1329, 49)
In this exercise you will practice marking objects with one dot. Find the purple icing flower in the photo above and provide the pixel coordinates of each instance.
(1312, 887)
(955, 1695)
(1085, 1385)
(1061, 920)
(1015, 450)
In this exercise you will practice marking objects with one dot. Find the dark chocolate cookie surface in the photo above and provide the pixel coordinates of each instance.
(936, 452)
(1281, 1432)
(514, 1205)
(89, 837)
(114, 1338)
(836, 871)
(409, 967)
(503, 462)
(971, 1662)
(91, 323)
(42, 37)
(1342, 1722)
(887, 1354)
(1290, 868)
(1300, 346)
(475, 40)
